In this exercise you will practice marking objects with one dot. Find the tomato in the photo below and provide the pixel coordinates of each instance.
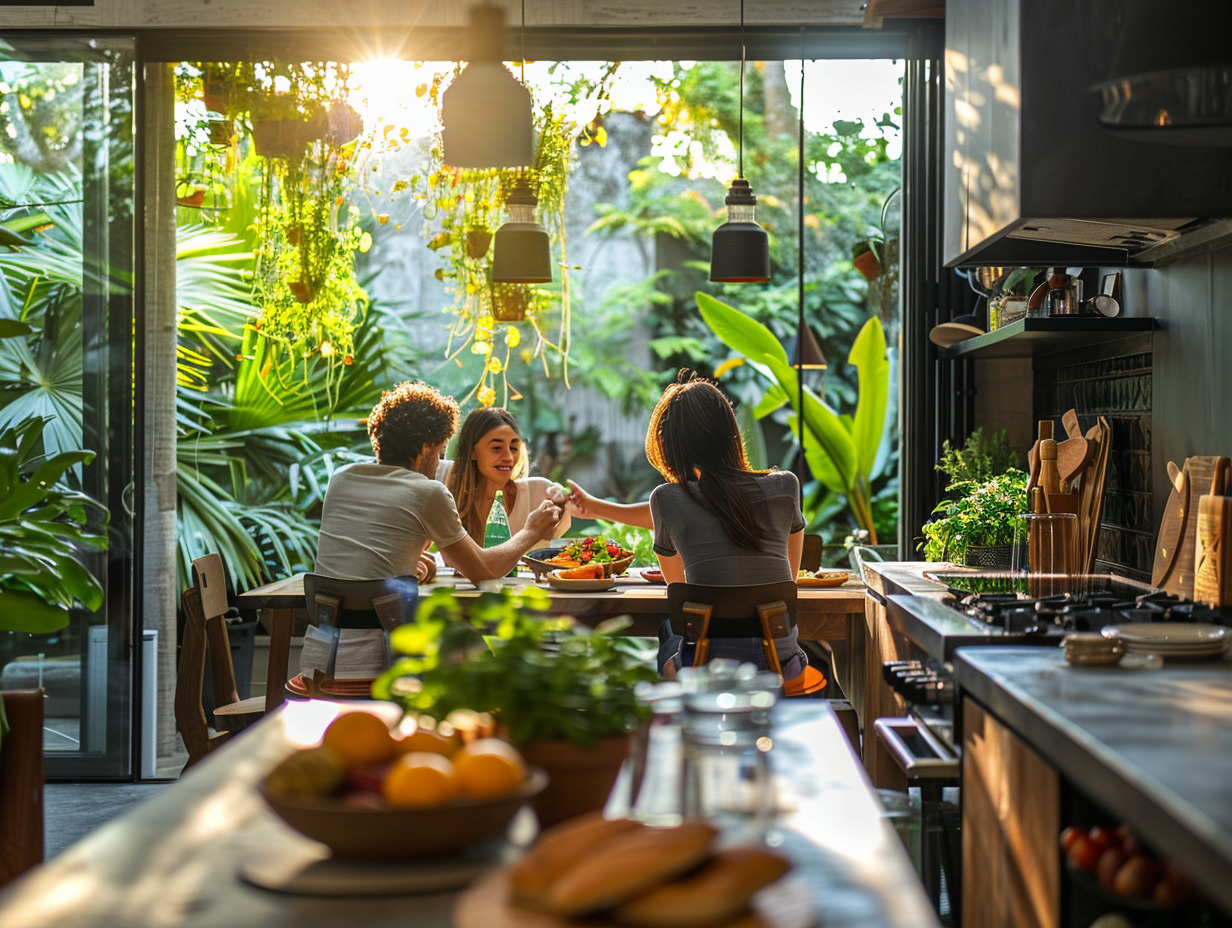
(1129, 841)
(1110, 862)
(1084, 855)
(1069, 836)
(1103, 838)
(1137, 877)
(613, 551)
(587, 554)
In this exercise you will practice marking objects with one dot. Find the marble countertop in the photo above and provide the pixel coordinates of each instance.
(1153, 747)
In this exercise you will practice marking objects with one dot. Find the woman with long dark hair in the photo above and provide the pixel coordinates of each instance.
(717, 521)
(491, 455)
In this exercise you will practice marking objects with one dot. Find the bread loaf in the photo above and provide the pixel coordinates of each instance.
(560, 848)
(715, 894)
(629, 865)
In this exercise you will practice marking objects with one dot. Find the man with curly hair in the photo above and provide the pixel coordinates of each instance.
(378, 519)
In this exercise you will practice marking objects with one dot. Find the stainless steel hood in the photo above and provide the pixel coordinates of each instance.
(1035, 175)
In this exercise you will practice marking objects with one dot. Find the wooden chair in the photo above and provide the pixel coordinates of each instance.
(334, 604)
(763, 611)
(22, 833)
(810, 555)
(205, 632)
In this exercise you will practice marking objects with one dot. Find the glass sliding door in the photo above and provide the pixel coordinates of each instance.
(67, 207)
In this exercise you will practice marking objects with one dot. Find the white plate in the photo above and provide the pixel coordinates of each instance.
(1168, 634)
(564, 584)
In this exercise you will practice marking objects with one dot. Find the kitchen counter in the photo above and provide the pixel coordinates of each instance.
(1152, 747)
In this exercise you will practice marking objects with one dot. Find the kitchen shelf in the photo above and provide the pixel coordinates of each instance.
(1037, 335)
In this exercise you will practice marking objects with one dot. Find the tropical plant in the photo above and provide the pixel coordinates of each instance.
(44, 525)
(841, 451)
(982, 513)
(543, 678)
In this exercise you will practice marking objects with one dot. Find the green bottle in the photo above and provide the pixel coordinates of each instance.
(496, 531)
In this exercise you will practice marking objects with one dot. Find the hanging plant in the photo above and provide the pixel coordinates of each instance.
(461, 209)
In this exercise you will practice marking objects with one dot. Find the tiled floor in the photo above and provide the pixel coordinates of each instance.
(74, 809)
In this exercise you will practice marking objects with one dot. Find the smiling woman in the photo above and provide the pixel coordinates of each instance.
(491, 457)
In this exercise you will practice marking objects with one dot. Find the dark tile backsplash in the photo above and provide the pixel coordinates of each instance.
(1119, 389)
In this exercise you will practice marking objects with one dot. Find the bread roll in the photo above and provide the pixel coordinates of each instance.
(558, 849)
(715, 894)
(629, 865)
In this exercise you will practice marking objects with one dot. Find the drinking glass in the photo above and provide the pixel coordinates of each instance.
(655, 767)
(727, 739)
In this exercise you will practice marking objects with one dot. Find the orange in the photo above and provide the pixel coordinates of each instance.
(419, 780)
(360, 738)
(489, 768)
(430, 742)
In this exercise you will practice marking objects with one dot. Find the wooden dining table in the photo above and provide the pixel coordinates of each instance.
(199, 853)
(834, 615)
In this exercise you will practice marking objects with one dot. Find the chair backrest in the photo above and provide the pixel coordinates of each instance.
(21, 784)
(762, 611)
(205, 632)
(810, 556)
(338, 603)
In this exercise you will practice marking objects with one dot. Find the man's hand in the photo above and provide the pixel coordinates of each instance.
(425, 569)
(543, 519)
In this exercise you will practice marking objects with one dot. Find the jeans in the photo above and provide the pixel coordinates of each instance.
(678, 651)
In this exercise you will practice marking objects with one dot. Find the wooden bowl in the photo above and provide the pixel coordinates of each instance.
(372, 832)
(537, 561)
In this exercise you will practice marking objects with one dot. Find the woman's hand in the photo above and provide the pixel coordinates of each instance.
(578, 499)
(425, 568)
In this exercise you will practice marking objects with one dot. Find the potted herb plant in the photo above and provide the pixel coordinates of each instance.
(562, 693)
(977, 527)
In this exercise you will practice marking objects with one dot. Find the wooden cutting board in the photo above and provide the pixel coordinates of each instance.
(1201, 476)
(1213, 572)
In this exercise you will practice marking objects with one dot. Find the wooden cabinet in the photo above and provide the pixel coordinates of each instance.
(1010, 822)
(880, 701)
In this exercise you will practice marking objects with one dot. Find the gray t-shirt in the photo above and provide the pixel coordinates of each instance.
(682, 526)
(377, 518)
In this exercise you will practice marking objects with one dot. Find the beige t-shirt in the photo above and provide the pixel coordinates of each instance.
(377, 518)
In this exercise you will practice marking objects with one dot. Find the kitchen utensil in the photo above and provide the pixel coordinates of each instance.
(1204, 475)
(1073, 455)
(1051, 543)
(957, 330)
(1171, 528)
(1091, 490)
(1069, 421)
(1213, 572)
(1102, 305)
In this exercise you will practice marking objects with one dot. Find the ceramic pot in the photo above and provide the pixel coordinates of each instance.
(867, 264)
(579, 779)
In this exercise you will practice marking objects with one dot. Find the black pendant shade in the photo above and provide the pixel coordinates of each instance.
(805, 353)
(485, 113)
(521, 250)
(740, 249)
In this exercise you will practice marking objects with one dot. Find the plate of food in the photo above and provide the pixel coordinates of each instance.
(580, 552)
(652, 575)
(580, 580)
(822, 578)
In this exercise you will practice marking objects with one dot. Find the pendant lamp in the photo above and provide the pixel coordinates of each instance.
(521, 253)
(485, 112)
(740, 249)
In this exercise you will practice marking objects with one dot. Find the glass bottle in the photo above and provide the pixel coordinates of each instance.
(496, 531)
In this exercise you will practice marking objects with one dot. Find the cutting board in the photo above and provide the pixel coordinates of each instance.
(1213, 572)
(1177, 544)
(1091, 492)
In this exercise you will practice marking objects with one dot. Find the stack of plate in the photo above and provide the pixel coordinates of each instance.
(1174, 641)
(1087, 649)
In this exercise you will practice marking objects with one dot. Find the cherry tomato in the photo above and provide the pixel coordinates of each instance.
(1069, 836)
(1084, 855)
(1130, 846)
(1103, 838)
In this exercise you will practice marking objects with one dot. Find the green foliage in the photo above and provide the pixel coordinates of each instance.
(983, 513)
(980, 458)
(43, 528)
(542, 678)
(840, 450)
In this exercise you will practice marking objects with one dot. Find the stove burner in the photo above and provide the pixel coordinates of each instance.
(1084, 612)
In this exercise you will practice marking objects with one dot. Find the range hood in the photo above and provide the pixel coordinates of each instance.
(1048, 161)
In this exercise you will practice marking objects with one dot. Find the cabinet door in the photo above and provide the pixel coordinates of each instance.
(1010, 822)
(879, 700)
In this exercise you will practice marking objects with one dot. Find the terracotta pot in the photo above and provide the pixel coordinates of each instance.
(867, 264)
(510, 305)
(301, 290)
(579, 779)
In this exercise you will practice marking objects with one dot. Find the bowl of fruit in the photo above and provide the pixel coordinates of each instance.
(365, 792)
(581, 552)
